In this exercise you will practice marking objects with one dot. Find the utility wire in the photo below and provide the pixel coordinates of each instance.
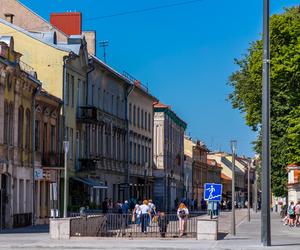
(144, 10)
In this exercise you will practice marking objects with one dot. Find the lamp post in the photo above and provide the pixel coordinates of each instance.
(248, 189)
(145, 179)
(233, 144)
(66, 182)
(266, 159)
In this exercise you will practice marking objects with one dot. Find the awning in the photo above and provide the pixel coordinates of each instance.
(90, 182)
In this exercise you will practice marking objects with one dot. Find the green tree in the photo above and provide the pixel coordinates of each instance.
(285, 93)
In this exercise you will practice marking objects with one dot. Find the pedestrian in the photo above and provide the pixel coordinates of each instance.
(182, 214)
(110, 204)
(163, 224)
(105, 206)
(291, 212)
(152, 210)
(297, 213)
(136, 214)
(145, 212)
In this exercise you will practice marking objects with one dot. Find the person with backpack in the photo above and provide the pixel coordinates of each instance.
(291, 212)
(182, 214)
(297, 213)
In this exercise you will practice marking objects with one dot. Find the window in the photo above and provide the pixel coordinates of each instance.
(117, 106)
(67, 94)
(9, 82)
(134, 115)
(134, 152)
(72, 91)
(45, 139)
(11, 124)
(6, 125)
(138, 117)
(139, 154)
(149, 122)
(130, 152)
(146, 121)
(71, 143)
(143, 155)
(146, 154)
(52, 139)
(37, 135)
(130, 113)
(20, 126)
(27, 129)
(142, 118)
(79, 93)
(112, 105)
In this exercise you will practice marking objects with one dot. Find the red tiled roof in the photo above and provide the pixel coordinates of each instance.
(160, 105)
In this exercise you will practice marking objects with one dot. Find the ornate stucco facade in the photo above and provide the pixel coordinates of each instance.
(168, 157)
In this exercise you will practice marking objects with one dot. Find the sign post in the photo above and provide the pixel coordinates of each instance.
(212, 194)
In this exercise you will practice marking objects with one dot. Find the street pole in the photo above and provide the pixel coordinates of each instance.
(266, 180)
(66, 182)
(248, 206)
(233, 150)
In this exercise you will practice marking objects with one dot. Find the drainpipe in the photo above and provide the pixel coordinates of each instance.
(35, 93)
(64, 128)
(128, 92)
(86, 104)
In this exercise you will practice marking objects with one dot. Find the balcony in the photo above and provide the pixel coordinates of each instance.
(90, 114)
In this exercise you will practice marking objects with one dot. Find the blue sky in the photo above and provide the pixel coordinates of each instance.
(184, 53)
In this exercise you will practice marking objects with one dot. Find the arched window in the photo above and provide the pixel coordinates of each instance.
(9, 82)
(27, 129)
(20, 126)
(11, 124)
(6, 119)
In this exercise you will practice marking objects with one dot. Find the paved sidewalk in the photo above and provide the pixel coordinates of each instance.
(248, 237)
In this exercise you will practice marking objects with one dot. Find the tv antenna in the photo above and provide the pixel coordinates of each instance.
(104, 44)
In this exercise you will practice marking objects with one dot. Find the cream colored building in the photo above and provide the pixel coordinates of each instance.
(168, 157)
(225, 160)
(140, 117)
(188, 167)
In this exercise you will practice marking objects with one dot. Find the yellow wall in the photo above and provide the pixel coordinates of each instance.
(44, 59)
(47, 61)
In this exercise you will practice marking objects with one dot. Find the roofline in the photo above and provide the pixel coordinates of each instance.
(119, 75)
(37, 15)
(25, 32)
(159, 109)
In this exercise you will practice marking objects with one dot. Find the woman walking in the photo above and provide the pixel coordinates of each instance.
(145, 211)
(182, 214)
(291, 212)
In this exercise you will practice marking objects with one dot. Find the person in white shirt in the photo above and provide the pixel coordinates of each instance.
(182, 214)
(145, 212)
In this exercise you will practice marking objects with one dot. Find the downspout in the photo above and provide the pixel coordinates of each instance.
(64, 131)
(86, 104)
(35, 93)
(128, 92)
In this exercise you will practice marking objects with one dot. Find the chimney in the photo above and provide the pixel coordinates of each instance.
(68, 22)
(90, 37)
(9, 17)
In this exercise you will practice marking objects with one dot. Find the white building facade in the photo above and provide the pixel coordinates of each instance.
(168, 157)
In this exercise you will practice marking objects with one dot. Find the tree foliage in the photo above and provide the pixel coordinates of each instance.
(285, 93)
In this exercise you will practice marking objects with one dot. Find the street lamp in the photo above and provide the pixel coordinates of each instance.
(266, 158)
(233, 145)
(66, 182)
(145, 179)
(248, 188)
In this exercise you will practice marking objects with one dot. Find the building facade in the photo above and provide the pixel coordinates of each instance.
(168, 157)
(188, 167)
(140, 119)
(48, 158)
(18, 89)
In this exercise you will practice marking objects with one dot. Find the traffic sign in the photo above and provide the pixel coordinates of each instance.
(212, 192)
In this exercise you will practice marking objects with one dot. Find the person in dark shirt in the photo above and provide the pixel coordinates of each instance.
(105, 206)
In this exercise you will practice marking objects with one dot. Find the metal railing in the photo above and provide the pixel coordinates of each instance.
(129, 225)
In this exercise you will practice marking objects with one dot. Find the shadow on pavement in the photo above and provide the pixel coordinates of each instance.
(27, 230)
